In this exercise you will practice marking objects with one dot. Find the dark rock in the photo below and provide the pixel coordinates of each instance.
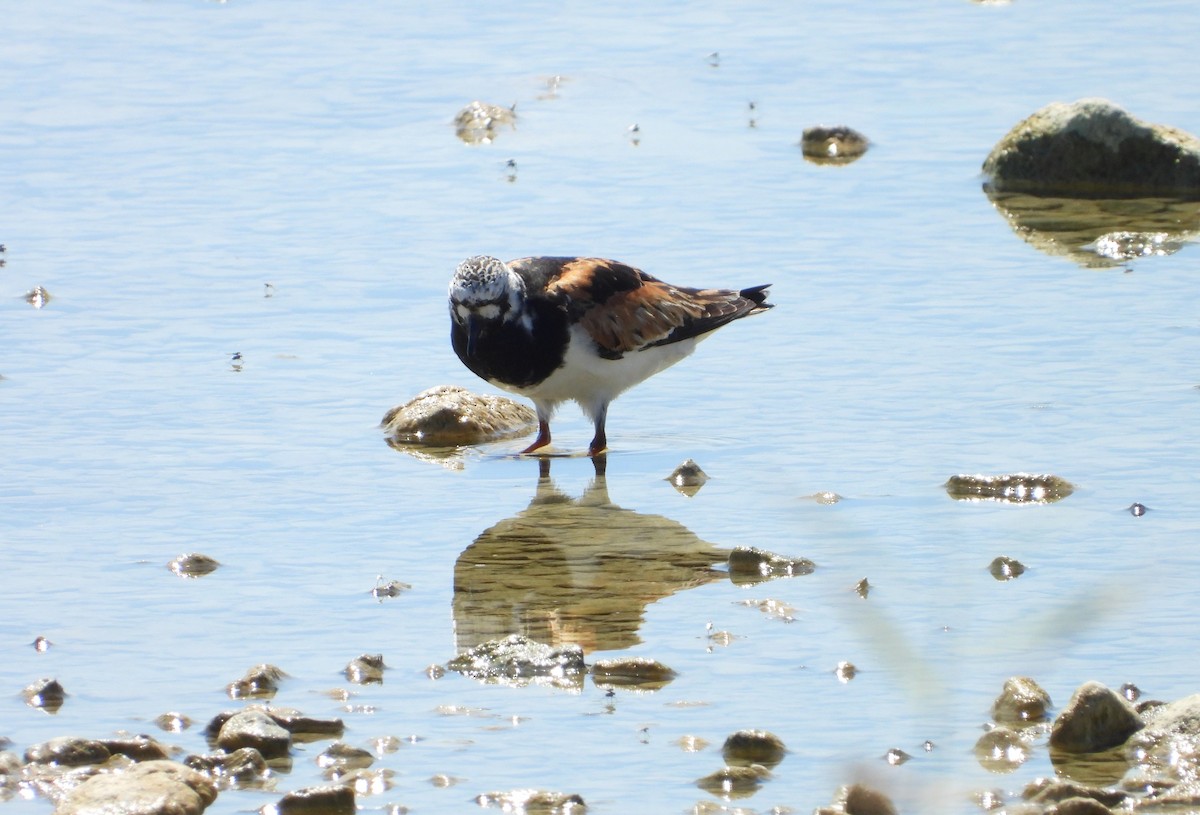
(193, 565)
(688, 478)
(1021, 700)
(254, 728)
(48, 694)
(449, 416)
(259, 682)
(1093, 148)
(642, 673)
(858, 799)
(734, 782)
(138, 748)
(241, 769)
(533, 801)
(749, 565)
(173, 722)
(68, 751)
(146, 788)
(366, 669)
(1095, 718)
(335, 799)
(746, 747)
(1006, 568)
(833, 145)
(1018, 488)
(518, 660)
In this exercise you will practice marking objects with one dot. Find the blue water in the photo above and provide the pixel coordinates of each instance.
(163, 163)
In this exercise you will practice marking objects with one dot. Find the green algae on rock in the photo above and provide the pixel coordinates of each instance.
(1017, 488)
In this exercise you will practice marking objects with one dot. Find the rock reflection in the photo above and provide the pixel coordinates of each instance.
(574, 570)
(1100, 232)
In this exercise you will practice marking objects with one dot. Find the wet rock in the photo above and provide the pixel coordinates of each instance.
(845, 671)
(1095, 718)
(480, 122)
(1021, 700)
(746, 747)
(862, 588)
(173, 722)
(518, 660)
(1137, 510)
(531, 801)
(449, 416)
(895, 756)
(1051, 790)
(775, 609)
(1168, 749)
(1093, 148)
(366, 669)
(1006, 568)
(388, 588)
(833, 145)
(859, 799)
(1079, 806)
(344, 756)
(40, 644)
(306, 728)
(1001, 750)
(335, 799)
(260, 682)
(138, 748)
(691, 744)
(244, 768)
(362, 780)
(749, 565)
(688, 478)
(146, 788)
(68, 751)
(254, 728)
(734, 782)
(48, 694)
(825, 498)
(1018, 488)
(641, 673)
(193, 565)
(38, 297)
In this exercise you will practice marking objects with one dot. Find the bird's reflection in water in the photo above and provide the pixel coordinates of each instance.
(577, 570)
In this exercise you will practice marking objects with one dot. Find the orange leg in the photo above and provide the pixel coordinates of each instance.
(543, 437)
(599, 441)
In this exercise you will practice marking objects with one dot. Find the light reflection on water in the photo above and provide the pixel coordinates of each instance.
(163, 163)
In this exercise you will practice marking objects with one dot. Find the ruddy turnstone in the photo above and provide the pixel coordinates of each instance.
(583, 329)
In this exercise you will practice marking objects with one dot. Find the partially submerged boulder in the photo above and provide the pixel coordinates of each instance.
(450, 416)
(1093, 148)
(518, 660)
(1096, 718)
(146, 788)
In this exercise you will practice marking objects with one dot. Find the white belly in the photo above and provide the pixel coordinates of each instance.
(593, 381)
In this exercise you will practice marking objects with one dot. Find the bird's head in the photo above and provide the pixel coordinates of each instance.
(483, 292)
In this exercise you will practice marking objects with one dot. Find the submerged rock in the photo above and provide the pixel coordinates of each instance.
(735, 782)
(833, 145)
(334, 799)
(1096, 718)
(1001, 750)
(641, 673)
(48, 694)
(479, 122)
(449, 416)
(366, 669)
(1094, 148)
(1021, 701)
(1018, 488)
(147, 788)
(688, 478)
(749, 565)
(859, 799)
(68, 751)
(193, 565)
(747, 747)
(260, 682)
(1006, 568)
(518, 660)
(1057, 791)
(244, 768)
(531, 801)
(344, 757)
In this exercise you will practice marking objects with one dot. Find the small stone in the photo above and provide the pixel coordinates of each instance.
(450, 416)
(826, 497)
(1018, 488)
(41, 644)
(173, 722)
(833, 145)
(38, 297)
(746, 747)
(641, 673)
(749, 565)
(518, 660)
(329, 800)
(896, 756)
(691, 744)
(845, 671)
(1094, 719)
(193, 565)
(1021, 700)
(1001, 750)
(1131, 692)
(366, 669)
(260, 681)
(254, 728)
(388, 588)
(862, 588)
(734, 782)
(858, 799)
(1006, 568)
(1137, 510)
(68, 751)
(688, 478)
(1052, 790)
(531, 801)
(138, 748)
(344, 756)
(480, 122)
(47, 694)
(240, 769)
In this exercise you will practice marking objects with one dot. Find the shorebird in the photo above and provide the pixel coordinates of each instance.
(557, 329)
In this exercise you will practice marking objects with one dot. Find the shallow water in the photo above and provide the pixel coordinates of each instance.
(194, 181)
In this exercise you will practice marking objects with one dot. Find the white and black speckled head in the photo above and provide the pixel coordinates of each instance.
(484, 281)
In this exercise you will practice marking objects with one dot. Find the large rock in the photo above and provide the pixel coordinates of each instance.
(1093, 148)
(449, 416)
(1096, 718)
(147, 788)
